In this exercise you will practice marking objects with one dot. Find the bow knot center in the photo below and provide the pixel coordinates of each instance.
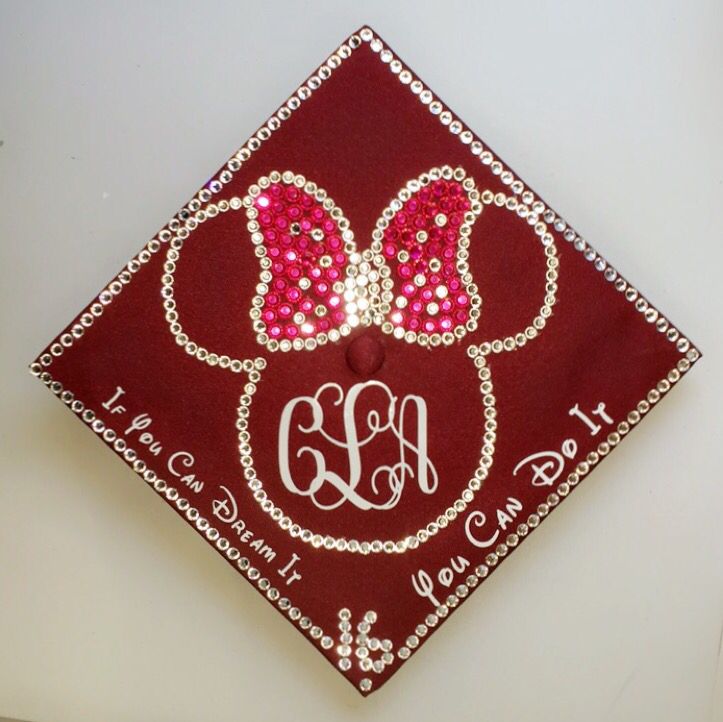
(365, 354)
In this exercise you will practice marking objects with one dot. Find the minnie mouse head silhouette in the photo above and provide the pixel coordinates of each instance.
(376, 414)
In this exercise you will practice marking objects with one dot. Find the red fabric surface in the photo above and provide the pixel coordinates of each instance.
(362, 135)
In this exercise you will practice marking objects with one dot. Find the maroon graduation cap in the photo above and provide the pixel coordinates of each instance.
(365, 361)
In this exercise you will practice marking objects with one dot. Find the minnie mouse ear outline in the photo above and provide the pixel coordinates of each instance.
(353, 288)
(552, 264)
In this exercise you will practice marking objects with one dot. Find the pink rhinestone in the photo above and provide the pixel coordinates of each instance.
(409, 238)
(275, 331)
(263, 201)
(429, 326)
(285, 310)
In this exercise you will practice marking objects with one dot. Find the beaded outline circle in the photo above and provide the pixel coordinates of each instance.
(375, 546)
(552, 262)
(173, 255)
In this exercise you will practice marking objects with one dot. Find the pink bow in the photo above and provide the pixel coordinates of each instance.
(413, 282)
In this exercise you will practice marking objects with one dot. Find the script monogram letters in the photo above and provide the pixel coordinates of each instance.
(386, 482)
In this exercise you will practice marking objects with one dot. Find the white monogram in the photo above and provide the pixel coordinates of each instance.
(386, 482)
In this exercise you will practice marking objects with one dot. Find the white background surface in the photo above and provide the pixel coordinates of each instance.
(110, 118)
